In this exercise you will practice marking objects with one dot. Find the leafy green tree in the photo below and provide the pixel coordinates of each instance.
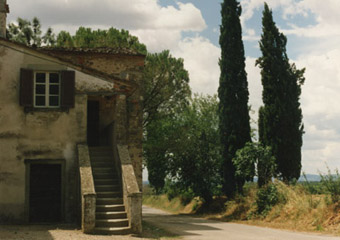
(29, 33)
(254, 160)
(196, 158)
(159, 136)
(25, 32)
(22, 32)
(86, 37)
(280, 119)
(266, 165)
(232, 92)
(166, 92)
(165, 86)
(64, 39)
(36, 30)
(186, 149)
(49, 39)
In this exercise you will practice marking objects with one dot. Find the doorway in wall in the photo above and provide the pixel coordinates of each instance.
(93, 134)
(45, 193)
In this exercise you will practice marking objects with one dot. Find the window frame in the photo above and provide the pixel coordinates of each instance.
(47, 85)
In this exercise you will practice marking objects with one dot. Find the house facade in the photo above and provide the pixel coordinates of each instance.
(71, 137)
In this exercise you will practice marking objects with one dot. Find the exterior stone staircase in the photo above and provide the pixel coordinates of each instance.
(111, 217)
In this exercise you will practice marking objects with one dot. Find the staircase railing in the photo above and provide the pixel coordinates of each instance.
(88, 193)
(131, 192)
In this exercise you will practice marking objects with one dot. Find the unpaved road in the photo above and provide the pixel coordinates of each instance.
(51, 232)
(202, 229)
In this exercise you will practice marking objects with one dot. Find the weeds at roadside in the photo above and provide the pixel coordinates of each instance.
(287, 207)
(332, 183)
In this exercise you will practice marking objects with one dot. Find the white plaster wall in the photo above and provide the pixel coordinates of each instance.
(37, 134)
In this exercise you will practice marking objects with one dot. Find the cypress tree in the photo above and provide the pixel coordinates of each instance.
(280, 119)
(233, 93)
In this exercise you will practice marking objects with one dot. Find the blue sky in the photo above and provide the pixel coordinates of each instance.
(190, 30)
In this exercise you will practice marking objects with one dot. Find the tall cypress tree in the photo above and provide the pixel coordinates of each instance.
(280, 119)
(232, 92)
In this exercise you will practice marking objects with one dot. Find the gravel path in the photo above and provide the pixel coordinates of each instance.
(50, 232)
(202, 229)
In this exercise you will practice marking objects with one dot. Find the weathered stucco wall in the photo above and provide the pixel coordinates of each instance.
(38, 134)
(54, 134)
(128, 68)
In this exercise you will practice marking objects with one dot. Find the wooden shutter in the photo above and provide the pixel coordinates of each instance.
(67, 89)
(26, 87)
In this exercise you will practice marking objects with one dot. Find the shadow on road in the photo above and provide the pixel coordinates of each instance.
(30, 232)
(181, 225)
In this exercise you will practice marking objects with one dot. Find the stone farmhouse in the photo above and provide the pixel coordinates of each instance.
(70, 136)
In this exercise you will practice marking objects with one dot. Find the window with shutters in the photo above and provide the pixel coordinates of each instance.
(46, 89)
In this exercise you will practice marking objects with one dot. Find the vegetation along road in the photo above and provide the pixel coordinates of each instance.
(202, 229)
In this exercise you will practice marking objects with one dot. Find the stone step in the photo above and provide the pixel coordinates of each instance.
(108, 164)
(100, 148)
(107, 181)
(106, 188)
(109, 201)
(110, 207)
(112, 176)
(109, 194)
(112, 222)
(101, 158)
(111, 215)
(98, 170)
(113, 231)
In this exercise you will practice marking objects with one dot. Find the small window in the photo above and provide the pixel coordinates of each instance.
(46, 89)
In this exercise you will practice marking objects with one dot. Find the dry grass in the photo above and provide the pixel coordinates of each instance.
(174, 206)
(299, 210)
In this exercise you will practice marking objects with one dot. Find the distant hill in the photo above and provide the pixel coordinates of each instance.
(310, 178)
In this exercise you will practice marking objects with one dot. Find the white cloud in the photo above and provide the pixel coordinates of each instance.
(317, 44)
(325, 12)
(201, 60)
(254, 85)
(289, 7)
(320, 105)
(158, 27)
(127, 14)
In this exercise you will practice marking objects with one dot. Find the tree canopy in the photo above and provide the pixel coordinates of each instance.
(184, 147)
(233, 93)
(165, 86)
(29, 33)
(280, 119)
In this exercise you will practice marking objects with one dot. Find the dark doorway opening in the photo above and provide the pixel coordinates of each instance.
(45, 197)
(93, 133)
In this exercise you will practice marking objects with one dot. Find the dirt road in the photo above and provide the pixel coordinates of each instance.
(202, 229)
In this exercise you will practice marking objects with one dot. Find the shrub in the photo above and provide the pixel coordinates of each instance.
(171, 189)
(251, 155)
(312, 187)
(266, 198)
(332, 183)
(186, 197)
